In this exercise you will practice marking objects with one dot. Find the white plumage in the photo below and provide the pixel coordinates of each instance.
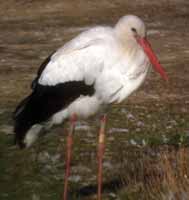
(96, 56)
(109, 58)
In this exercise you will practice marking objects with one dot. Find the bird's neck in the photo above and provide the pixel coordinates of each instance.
(129, 48)
(128, 44)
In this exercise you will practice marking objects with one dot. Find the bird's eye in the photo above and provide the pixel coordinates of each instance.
(134, 30)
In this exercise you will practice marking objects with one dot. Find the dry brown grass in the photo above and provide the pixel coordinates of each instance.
(162, 174)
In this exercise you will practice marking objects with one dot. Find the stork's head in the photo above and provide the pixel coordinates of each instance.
(131, 28)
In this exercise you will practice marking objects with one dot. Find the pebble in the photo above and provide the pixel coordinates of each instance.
(75, 178)
(118, 130)
(7, 129)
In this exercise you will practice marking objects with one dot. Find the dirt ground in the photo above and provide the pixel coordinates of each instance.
(31, 29)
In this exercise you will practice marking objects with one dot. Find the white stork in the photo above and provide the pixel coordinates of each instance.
(100, 66)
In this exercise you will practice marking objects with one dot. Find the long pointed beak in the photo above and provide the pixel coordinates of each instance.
(143, 42)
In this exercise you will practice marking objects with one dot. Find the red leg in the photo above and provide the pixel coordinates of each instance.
(101, 148)
(69, 154)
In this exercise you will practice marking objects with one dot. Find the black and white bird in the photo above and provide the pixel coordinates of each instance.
(100, 66)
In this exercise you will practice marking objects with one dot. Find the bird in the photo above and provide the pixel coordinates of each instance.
(99, 67)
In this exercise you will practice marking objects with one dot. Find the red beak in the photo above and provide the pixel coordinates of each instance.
(143, 42)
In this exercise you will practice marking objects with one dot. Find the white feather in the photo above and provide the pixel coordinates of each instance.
(108, 58)
(97, 56)
(79, 58)
(32, 134)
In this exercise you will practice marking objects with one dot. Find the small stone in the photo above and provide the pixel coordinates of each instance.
(113, 195)
(140, 124)
(108, 165)
(75, 178)
(56, 158)
(130, 116)
(43, 157)
(133, 142)
(118, 130)
(169, 127)
(144, 142)
(81, 169)
(82, 128)
(7, 129)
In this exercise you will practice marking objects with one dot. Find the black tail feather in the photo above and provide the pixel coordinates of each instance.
(23, 119)
(43, 103)
(20, 107)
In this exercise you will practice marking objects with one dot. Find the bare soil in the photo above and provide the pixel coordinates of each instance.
(158, 112)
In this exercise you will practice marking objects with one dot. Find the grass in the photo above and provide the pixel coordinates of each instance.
(160, 176)
(147, 138)
(147, 162)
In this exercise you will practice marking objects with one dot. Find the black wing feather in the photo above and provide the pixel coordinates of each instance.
(44, 102)
(40, 70)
